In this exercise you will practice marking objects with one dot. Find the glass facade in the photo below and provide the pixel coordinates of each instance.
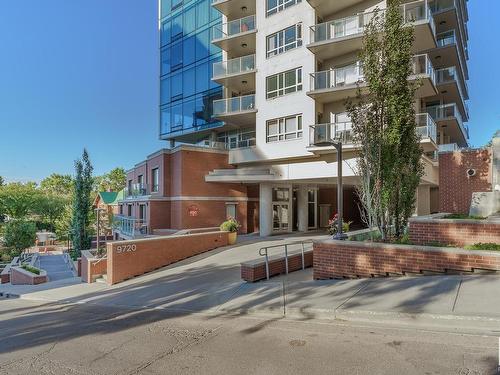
(186, 89)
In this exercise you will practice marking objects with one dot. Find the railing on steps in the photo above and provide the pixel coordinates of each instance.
(264, 251)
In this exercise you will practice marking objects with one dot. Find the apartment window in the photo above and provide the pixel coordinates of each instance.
(129, 186)
(121, 209)
(140, 179)
(231, 210)
(156, 179)
(275, 6)
(284, 83)
(284, 40)
(285, 128)
(129, 210)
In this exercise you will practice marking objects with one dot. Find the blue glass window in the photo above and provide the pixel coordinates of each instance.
(188, 111)
(189, 51)
(165, 33)
(201, 112)
(165, 91)
(215, 14)
(176, 56)
(176, 3)
(177, 26)
(190, 20)
(202, 77)
(202, 13)
(176, 117)
(189, 82)
(165, 121)
(165, 61)
(202, 44)
(176, 86)
(165, 8)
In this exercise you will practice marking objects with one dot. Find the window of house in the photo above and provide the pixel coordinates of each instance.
(284, 83)
(284, 40)
(275, 6)
(285, 128)
(140, 179)
(142, 211)
(231, 210)
(129, 186)
(121, 209)
(156, 179)
(129, 210)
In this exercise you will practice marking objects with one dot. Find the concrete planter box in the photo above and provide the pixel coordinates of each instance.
(19, 276)
(351, 259)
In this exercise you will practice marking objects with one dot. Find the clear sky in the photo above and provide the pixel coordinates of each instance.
(84, 73)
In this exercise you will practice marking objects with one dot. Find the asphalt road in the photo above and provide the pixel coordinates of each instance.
(46, 338)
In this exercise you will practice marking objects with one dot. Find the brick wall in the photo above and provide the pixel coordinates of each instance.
(91, 267)
(454, 232)
(455, 188)
(127, 259)
(339, 259)
(255, 271)
(19, 276)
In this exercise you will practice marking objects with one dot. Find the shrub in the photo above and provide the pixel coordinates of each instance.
(333, 225)
(230, 225)
(464, 217)
(19, 235)
(484, 246)
(28, 268)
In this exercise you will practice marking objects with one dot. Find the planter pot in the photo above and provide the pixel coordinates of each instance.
(231, 238)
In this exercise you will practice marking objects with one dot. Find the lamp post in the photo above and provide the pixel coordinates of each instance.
(98, 212)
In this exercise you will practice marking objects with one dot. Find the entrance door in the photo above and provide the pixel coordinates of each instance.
(280, 217)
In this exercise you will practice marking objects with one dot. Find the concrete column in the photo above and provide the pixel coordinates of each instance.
(302, 209)
(423, 200)
(265, 210)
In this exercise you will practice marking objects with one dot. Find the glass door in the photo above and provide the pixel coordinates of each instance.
(280, 217)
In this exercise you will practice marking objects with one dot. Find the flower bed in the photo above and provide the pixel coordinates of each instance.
(22, 276)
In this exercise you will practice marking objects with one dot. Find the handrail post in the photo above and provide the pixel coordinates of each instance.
(267, 265)
(303, 260)
(286, 259)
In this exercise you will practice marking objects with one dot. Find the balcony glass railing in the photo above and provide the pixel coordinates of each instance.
(339, 28)
(353, 74)
(449, 38)
(448, 75)
(137, 190)
(426, 127)
(325, 134)
(445, 112)
(441, 5)
(233, 28)
(130, 226)
(448, 147)
(234, 66)
(234, 105)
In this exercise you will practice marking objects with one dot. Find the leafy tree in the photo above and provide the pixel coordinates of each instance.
(2, 182)
(18, 200)
(19, 235)
(115, 180)
(58, 184)
(50, 207)
(384, 124)
(495, 135)
(82, 204)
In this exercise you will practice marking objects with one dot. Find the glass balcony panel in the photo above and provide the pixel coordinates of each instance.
(234, 105)
(233, 28)
(234, 66)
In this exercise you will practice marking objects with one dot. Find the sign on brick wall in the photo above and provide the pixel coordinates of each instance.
(193, 210)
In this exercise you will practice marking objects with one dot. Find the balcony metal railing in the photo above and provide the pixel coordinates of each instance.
(234, 105)
(449, 38)
(352, 25)
(448, 147)
(324, 134)
(448, 75)
(234, 66)
(137, 190)
(353, 74)
(441, 5)
(212, 144)
(243, 143)
(233, 28)
(426, 127)
(445, 112)
(130, 226)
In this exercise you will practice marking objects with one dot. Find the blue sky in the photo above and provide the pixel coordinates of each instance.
(83, 73)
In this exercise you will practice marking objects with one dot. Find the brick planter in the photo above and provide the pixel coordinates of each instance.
(351, 259)
(256, 270)
(19, 276)
(434, 229)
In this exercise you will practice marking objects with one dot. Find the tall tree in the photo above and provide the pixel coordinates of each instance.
(82, 204)
(384, 123)
(59, 184)
(114, 180)
(17, 200)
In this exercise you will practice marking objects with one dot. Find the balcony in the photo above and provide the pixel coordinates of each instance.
(236, 37)
(449, 147)
(337, 84)
(448, 14)
(136, 190)
(341, 36)
(324, 8)
(233, 9)
(450, 122)
(448, 53)
(322, 135)
(450, 87)
(237, 74)
(239, 110)
(130, 227)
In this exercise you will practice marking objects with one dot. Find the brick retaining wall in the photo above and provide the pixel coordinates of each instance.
(18, 276)
(432, 229)
(91, 267)
(127, 259)
(351, 259)
(256, 270)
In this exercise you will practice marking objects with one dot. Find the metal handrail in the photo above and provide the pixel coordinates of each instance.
(264, 251)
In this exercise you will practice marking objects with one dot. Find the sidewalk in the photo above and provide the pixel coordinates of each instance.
(211, 284)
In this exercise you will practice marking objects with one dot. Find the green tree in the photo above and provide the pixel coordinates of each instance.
(58, 184)
(114, 180)
(17, 200)
(2, 181)
(384, 124)
(19, 234)
(50, 207)
(82, 204)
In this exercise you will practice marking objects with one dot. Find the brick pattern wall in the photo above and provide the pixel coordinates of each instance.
(91, 268)
(18, 277)
(339, 259)
(455, 188)
(252, 272)
(127, 259)
(454, 232)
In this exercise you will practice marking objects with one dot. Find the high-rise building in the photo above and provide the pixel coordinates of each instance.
(264, 81)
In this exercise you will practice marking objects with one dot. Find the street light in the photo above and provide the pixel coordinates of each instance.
(98, 212)
(337, 143)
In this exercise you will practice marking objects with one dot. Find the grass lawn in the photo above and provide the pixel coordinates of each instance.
(484, 246)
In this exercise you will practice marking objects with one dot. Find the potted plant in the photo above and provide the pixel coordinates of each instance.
(333, 225)
(231, 226)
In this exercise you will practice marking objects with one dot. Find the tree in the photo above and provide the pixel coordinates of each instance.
(384, 124)
(50, 207)
(19, 235)
(82, 204)
(114, 180)
(18, 200)
(490, 143)
(58, 184)
(2, 182)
